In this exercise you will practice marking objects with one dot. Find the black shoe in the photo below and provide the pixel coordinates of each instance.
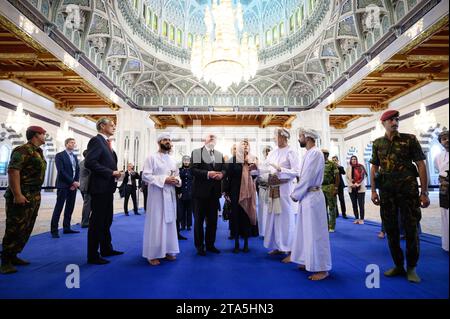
(55, 235)
(245, 250)
(213, 250)
(344, 216)
(112, 253)
(136, 213)
(70, 231)
(236, 250)
(181, 237)
(98, 261)
(7, 268)
(201, 252)
(126, 214)
(16, 261)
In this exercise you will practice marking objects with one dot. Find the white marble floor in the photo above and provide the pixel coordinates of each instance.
(431, 216)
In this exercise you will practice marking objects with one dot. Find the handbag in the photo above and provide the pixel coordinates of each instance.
(226, 211)
(122, 190)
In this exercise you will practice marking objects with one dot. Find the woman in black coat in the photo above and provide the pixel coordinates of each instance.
(240, 220)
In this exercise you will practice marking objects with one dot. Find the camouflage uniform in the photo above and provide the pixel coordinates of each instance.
(29, 160)
(328, 188)
(399, 192)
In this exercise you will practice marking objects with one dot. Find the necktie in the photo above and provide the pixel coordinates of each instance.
(109, 144)
(211, 153)
(72, 161)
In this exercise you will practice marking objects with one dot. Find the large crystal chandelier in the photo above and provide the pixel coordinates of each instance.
(424, 120)
(224, 55)
(18, 120)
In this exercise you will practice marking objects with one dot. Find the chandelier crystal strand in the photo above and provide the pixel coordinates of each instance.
(222, 56)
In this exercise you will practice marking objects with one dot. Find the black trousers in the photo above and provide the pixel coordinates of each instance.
(67, 196)
(130, 190)
(99, 233)
(341, 202)
(205, 208)
(145, 192)
(358, 199)
(185, 213)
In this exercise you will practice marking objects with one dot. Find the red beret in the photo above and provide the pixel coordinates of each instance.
(389, 114)
(36, 129)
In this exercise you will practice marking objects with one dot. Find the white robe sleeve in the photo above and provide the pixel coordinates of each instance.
(148, 175)
(294, 163)
(308, 176)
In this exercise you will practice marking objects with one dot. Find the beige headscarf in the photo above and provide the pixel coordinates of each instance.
(247, 194)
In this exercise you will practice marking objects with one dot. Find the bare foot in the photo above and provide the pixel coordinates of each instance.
(318, 276)
(170, 257)
(381, 235)
(286, 259)
(274, 252)
(154, 262)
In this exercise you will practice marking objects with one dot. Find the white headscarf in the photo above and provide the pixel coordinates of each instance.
(163, 136)
(309, 133)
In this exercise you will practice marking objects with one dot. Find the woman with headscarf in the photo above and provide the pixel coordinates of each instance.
(240, 191)
(356, 175)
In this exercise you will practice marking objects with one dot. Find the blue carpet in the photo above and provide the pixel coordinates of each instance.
(252, 275)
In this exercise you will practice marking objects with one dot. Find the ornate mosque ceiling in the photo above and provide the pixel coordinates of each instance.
(154, 72)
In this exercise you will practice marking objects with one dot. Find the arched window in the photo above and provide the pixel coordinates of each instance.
(300, 16)
(275, 35)
(281, 29)
(190, 40)
(172, 33)
(148, 17)
(292, 24)
(179, 37)
(165, 29)
(155, 23)
(5, 153)
(268, 37)
(400, 10)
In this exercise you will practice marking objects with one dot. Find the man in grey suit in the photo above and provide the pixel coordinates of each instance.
(84, 183)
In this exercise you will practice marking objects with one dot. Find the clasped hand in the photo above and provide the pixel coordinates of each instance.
(215, 175)
(171, 180)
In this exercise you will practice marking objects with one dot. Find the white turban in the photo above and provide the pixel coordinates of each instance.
(163, 136)
(283, 132)
(309, 133)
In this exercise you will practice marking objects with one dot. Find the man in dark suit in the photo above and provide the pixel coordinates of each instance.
(129, 182)
(340, 189)
(67, 183)
(208, 169)
(101, 160)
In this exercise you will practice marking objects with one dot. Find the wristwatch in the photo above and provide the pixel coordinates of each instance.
(424, 193)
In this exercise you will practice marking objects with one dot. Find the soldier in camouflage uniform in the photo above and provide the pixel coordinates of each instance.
(26, 172)
(330, 187)
(394, 174)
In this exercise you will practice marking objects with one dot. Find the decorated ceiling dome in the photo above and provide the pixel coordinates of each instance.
(305, 48)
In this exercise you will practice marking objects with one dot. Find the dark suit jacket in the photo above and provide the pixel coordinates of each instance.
(65, 176)
(102, 162)
(133, 179)
(202, 187)
(341, 180)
